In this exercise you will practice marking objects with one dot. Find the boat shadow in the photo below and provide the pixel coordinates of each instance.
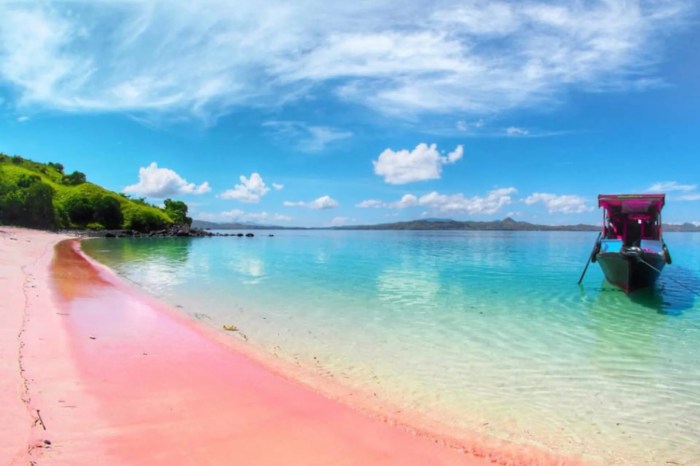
(673, 294)
(676, 291)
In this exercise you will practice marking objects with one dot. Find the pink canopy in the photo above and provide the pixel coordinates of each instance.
(632, 203)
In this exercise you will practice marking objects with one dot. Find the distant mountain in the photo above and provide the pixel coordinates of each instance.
(507, 224)
(686, 227)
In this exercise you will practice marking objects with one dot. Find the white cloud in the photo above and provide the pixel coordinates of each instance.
(338, 221)
(322, 203)
(307, 138)
(440, 56)
(370, 203)
(457, 203)
(667, 186)
(250, 190)
(407, 200)
(237, 215)
(163, 182)
(565, 203)
(422, 163)
(278, 186)
(23, 119)
(689, 197)
(515, 131)
(453, 203)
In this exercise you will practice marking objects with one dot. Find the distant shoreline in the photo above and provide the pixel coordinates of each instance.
(507, 224)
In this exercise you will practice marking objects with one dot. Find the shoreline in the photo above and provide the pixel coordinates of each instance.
(149, 355)
(141, 385)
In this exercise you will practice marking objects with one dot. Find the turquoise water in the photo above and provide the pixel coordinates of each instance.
(483, 331)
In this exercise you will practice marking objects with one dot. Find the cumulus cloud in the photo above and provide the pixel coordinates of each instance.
(322, 203)
(250, 190)
(277, 186)
(163, 182)
(370, 203)
(458, 203)
(440, 56)
(237, 215)
(422, 163)
(452, 203)
(668, 186)
(564, 203)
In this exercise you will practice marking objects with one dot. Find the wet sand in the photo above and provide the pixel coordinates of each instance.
(94, 371)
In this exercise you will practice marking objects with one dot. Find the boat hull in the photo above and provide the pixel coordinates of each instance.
(631, 272)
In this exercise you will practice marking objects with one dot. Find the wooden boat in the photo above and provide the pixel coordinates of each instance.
(630, 249)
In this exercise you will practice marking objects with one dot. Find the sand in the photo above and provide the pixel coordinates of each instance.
(95, 372)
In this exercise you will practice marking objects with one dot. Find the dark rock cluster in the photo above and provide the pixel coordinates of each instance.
(171, 232)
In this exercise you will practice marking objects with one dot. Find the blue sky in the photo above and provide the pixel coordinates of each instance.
(308, 113)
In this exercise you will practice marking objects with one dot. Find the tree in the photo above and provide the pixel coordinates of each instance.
(74, 178)
(38, 206)
(108, 212)
(79, 209)
(144, 220)
(56, 166)
(29, 205)
(177, 211)
(25, 181)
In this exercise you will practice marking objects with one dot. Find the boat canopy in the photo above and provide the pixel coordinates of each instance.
(632, 218)
(632, 203)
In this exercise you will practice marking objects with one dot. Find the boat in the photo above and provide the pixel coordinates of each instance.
(630, 249)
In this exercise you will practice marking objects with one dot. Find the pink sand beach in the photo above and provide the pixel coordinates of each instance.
(93, 372)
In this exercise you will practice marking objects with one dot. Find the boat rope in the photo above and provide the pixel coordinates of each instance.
(671, 278)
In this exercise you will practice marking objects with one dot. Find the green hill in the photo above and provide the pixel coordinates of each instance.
(41, 195)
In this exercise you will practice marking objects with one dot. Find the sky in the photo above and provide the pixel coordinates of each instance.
(316, 113)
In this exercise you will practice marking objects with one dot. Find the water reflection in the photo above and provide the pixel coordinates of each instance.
(140, 250)
(157, 264)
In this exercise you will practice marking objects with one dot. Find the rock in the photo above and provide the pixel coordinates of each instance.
(230, 328)
(249, 235)
(109, 234)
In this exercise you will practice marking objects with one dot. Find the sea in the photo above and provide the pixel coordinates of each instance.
(483, 331)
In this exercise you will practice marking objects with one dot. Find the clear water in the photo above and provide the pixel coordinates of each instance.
(484, 331)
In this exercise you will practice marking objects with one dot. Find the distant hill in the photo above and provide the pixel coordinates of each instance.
(686, 227)
(507, 224)
(41, 195)
(423, 224)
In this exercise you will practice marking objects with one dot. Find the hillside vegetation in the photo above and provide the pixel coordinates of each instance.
(41, 195)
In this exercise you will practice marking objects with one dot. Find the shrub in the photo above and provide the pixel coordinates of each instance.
(108, 212)
(95, 226)
(79, 209)
(74, 178)
(38, 206)
(56, 166)
(177, 211)
(146, 220)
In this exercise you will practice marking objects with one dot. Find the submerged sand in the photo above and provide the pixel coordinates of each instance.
(94, 372)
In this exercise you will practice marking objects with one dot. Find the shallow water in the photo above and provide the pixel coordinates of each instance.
(484, 331)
